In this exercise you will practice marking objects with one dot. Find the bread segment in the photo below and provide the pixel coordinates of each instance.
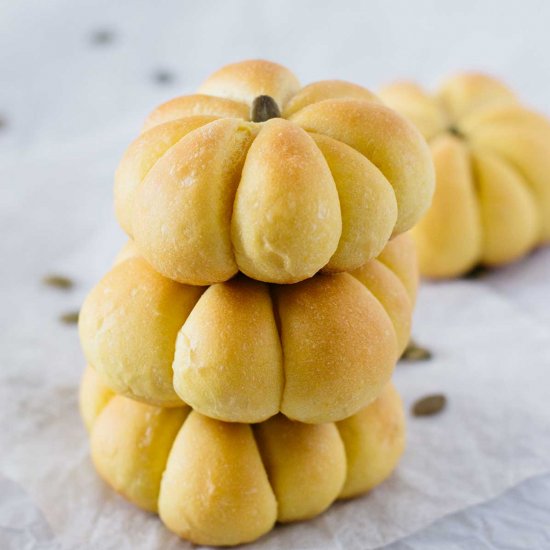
(215, 490)
(367, 203)
(286, 218)
(449, 238)
(389, 141)
(128, 327)
(228, 362)
(182, 211)
(305, 464)
(339, 347)
(511, 225)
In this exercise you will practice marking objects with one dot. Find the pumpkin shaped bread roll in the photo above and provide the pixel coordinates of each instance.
(244, 350)
(218, 483)
(256, 174)
(492, 162)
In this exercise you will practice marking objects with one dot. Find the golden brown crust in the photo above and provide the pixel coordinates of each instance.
(286, 218)
(141, 157)
(392, 295)
(196, 105)
(130, 443)
(374, 440)
(388, 140)
(128, 327)
(326, 89)
(228, 362)
(182, 221)
(339, 347)
(367, 203)
(215, 490)
(246, 80)
(305, 464)
(93, 397)
(399, 255)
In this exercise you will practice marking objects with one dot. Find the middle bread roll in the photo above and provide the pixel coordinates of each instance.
(242, 351)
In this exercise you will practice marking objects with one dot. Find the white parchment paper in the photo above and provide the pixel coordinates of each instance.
(491, 358)
(70, 110)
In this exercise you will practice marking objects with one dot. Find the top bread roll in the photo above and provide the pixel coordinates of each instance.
(255, 173)
(492, 162)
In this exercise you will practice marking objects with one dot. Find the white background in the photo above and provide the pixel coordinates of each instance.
(70, 107)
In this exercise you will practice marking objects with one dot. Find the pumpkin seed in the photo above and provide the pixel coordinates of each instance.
(431, 404)
(163, 77)
(58, 281)
(476, 273)
(263, 108)
(414, 352)
(453, 130)
(70, 318)
(102, 37)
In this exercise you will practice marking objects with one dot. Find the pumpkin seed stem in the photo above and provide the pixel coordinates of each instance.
(263, 108)
(456, 132)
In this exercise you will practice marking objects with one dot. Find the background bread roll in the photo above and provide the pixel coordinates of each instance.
(492, 161)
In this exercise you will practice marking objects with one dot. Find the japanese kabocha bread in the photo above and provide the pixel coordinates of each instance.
(256, 174)
(243, 350)
(492, 163)
(218, 483)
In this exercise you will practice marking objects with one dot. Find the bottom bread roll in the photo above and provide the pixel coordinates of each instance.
(219, 483)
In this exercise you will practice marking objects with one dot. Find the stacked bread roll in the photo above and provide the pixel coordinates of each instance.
(240, 350)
